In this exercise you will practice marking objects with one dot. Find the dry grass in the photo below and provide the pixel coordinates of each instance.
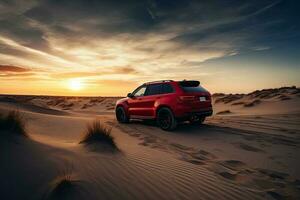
(13, 123)
(65, 186)
(98, 133)
(62, 185)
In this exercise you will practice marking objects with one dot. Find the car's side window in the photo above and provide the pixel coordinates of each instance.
(139, 91)
(153, 89)
(167, 88)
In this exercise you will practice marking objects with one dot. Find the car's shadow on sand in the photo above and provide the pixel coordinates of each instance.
(184, 128)
(150, 127)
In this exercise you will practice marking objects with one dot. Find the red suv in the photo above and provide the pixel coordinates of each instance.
(168, 102)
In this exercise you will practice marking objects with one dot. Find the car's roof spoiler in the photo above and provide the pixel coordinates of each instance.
(160, 81)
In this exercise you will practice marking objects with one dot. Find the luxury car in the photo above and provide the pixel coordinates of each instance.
(168, 102)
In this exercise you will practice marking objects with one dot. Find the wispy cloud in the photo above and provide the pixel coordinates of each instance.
(55, 59)
(9, 75)
(11, 68)
(138, 40)
(99, 73)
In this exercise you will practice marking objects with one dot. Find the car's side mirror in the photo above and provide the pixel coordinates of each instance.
(129, 95)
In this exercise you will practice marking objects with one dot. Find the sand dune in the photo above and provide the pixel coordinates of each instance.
(267, 101)
(250, 153)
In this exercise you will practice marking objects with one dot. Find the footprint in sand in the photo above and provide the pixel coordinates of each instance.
(233, 164)
(248, 147)
(228, 175)
(194, 160)
(273, 174)
(275, 195)
(233, 170)
(181, 147)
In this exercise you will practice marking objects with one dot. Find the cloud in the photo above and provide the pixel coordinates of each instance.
(11, 68)
(9, 75)
(11, 71)
(114, 83)
(261, 48)
(11, 44)
(126, 70)
(139, 40)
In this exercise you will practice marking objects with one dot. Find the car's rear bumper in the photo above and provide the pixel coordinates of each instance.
(187, 114)
(201, 113)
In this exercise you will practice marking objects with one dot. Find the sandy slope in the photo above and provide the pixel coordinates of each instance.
(233, 156)
(268, 101)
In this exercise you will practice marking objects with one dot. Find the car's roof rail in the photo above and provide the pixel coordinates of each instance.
(160, 81)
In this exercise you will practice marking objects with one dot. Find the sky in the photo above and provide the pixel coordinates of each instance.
(109, 47)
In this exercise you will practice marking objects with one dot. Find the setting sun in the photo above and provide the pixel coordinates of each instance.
(75, 84)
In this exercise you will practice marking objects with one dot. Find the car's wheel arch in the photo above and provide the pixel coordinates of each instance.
(162, 106)
(173, 124)
(125, 118)
(124, 107)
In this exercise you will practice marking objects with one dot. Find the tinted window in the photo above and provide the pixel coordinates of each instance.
(167, 88)
(154, 89)
(189, 83)
(193, 89)
(140, 91)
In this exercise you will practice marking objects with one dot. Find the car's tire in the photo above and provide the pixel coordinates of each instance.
(165, 119)
(197, 120)
(121, 115)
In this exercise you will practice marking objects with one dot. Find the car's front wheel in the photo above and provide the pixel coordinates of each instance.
(166, 120)
(121, 115)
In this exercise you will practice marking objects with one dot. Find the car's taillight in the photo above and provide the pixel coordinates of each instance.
(186, 98)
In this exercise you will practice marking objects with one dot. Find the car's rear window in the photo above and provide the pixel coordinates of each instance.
(192, 86)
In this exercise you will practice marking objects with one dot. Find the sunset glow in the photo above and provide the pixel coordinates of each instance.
(150, 99)
(75, 84)
(45, 45)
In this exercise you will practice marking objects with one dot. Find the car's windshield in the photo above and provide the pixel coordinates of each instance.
(139, 91)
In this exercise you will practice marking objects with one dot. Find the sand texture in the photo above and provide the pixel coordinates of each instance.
(249, 149)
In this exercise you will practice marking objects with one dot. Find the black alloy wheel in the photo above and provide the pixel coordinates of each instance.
(121, 115)
(166, 120)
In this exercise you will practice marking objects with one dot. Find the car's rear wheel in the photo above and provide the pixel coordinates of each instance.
(121, 115)
(196, 120)
(166, 119)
